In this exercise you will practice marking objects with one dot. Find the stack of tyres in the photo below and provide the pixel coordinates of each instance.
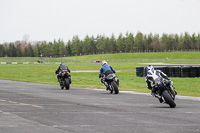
(178, 72)
(171, 71)
(162, 68)
(140, 71)
(193, 71)
(174, 71)
(185, 72)
(198, 71)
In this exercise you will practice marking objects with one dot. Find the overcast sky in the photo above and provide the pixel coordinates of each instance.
(54, 19)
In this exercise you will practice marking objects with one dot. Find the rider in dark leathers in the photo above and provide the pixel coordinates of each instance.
(150, 78)
(60, 69)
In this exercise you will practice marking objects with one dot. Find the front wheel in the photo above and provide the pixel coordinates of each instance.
(67, 84)
(114, 85)
(168, 99)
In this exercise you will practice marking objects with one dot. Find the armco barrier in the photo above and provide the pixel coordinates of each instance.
(172, 71)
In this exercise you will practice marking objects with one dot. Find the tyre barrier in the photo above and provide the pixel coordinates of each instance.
(172, 71)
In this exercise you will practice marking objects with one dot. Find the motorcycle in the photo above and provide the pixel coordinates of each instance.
(65, 80)
(166, 91)
(113, 83)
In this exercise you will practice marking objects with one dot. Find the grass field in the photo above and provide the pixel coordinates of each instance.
(125, 63)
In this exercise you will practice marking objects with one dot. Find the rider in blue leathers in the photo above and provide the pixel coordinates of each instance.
(105, 70)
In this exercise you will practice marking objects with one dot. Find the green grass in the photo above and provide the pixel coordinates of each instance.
(128, 81)
(126, 63)
(173, 57)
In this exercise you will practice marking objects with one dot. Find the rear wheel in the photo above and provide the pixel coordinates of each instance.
(115, 87)
(168, 99)
(67, 84)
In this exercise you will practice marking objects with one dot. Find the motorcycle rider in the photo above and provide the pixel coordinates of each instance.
(105, 70)
(150, 78)
(60, 69)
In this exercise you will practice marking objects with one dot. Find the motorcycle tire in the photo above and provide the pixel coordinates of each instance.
(114, 85)
(168, 99)
(67, 84)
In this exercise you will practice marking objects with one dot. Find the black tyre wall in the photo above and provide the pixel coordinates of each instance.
(172, 71)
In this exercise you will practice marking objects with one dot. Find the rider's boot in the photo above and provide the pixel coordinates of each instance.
(157, 96)
(106, 84)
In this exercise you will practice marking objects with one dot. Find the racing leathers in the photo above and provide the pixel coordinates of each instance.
(62, 68)
(105, 70)
(150, 79)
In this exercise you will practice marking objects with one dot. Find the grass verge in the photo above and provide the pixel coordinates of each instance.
(44, 73)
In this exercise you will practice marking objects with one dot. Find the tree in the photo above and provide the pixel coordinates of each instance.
(171, 42)
(61, 45)
(2, 51)
(76, 46)
(198, 41)
(120, 43)
(156, 43)
(30, 52)
(19, 50)
(55, 49)
(129, 42)
(164, 41)
(177, 43)
(187, 41)
(86, 45)
(101, 44)
(93, 45)
(139, 41)
(193, 41)
(149, 40)
(68, 48)
(36, 50)
(113, 44)
(45, 49)
(11, 50)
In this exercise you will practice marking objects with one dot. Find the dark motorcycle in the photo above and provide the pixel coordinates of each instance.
(166, 92)
(65, 80)
(113, 83)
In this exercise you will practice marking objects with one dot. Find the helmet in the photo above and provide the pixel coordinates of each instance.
(150, 69)
(62, 63)
(103, 62)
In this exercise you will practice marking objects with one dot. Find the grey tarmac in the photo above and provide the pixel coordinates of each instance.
(41, 108)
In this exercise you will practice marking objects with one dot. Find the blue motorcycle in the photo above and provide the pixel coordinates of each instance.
(166, 91)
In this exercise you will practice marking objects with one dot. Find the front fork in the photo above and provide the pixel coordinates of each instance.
(172, 89)
(117, 80)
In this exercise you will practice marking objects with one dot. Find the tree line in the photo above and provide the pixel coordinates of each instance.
(101, 44)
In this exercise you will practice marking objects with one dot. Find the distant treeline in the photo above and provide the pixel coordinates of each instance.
(102, 44)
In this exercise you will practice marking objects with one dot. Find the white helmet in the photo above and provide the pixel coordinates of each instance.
(150, 69)
(103, 62)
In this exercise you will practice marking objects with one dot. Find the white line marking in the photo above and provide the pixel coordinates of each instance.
(148, 94)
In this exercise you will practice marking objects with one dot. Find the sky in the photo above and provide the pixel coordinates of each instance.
(46, 20)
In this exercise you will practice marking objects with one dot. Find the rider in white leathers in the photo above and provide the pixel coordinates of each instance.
(152, 75)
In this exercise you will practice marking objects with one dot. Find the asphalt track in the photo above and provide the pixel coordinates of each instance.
(38, 108)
